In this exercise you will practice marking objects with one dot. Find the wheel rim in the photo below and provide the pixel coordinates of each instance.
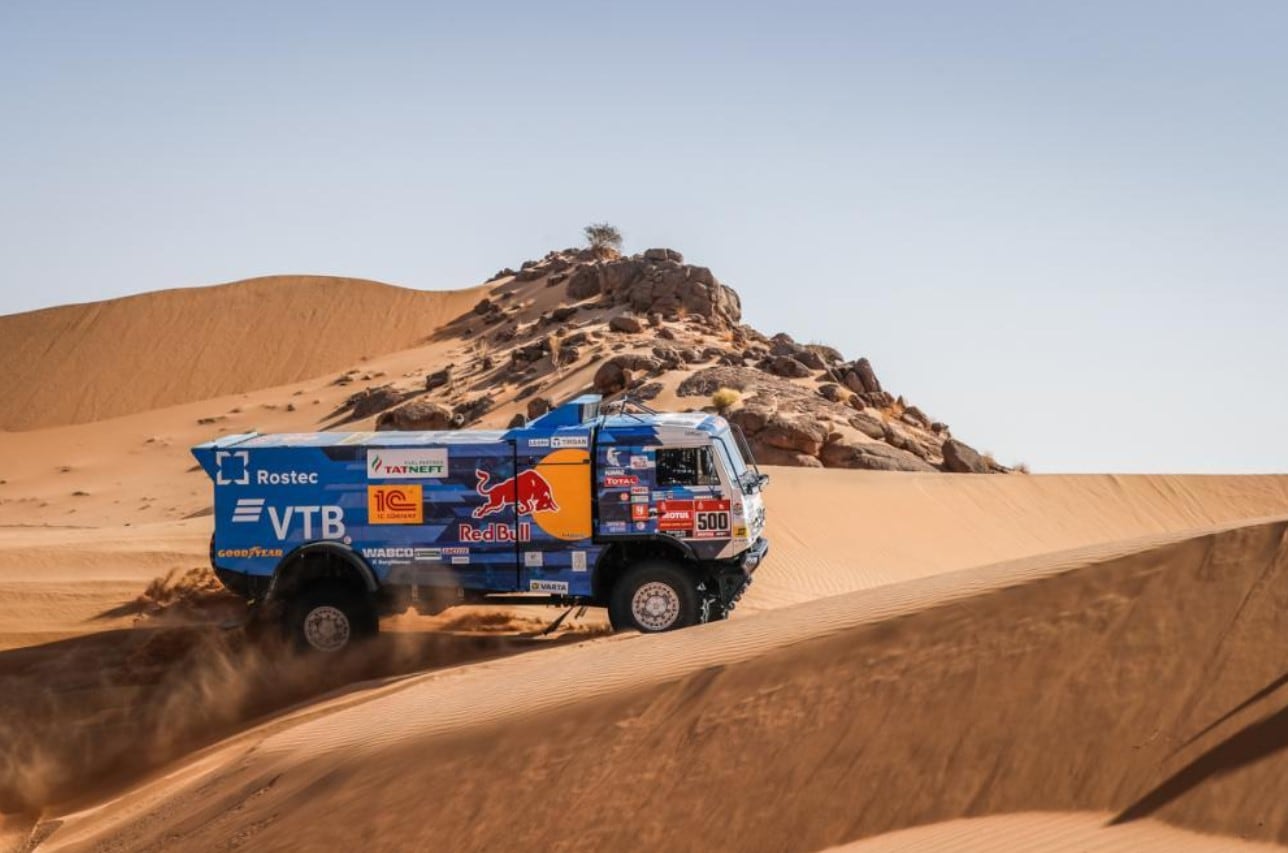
(326, 628)
(655, 606)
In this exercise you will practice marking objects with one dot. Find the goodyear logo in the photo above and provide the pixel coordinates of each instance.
(395, 505)
(254, 552)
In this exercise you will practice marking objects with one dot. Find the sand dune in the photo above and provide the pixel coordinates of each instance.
(78, 363)
(1053, 832)
(1144, 685)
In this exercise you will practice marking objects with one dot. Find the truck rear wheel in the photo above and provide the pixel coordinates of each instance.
(654, 597)
(328, 617)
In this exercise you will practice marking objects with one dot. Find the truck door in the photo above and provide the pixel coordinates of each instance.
(554, 519)
(479, 511)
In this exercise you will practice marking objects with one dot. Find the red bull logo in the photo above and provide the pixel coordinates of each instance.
(529, 492)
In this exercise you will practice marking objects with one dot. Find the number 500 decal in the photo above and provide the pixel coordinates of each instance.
(711, 519)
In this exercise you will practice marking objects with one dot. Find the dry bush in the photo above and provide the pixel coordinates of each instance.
(603, 238)
(726, 398)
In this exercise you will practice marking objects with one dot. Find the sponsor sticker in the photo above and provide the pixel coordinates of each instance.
(428, 554)
(533, 559)
(640, 491)
(675, 515)
(254, 552)
(389, 553)
(640, 462)
(548, 586)
(486, 533)
(639, 512)
(711, 519)
(579, 561)
(538, 442)
(395, 505)
(620, 482)
(570, 441)
(232, 467)
(639, 499)
(390, 463)
(461, 560)
(614, 527)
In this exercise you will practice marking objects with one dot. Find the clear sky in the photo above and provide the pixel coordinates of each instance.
(1059, 227)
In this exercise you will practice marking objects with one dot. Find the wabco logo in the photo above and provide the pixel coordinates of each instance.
(328, 520)
(529, 493)
(395, 464)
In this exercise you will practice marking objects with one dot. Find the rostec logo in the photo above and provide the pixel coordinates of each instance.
(529, 492)
(328, 520)
(395, 504)
(232, 467)
(398, 464)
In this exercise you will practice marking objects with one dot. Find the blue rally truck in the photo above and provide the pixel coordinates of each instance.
(657, 516)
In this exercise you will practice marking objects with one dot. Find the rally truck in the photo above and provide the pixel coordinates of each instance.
(657, 516)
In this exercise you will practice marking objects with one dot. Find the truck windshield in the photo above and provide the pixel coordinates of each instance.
(733, 461)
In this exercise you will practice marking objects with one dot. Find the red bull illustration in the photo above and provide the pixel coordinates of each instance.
(530, 492)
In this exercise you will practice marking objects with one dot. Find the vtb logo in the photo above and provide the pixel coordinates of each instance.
(395, 504)
(327, 520)
(529, 492)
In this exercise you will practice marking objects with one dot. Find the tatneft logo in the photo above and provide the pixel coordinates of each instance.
(327, 520)
(400, 464)
(232, 468)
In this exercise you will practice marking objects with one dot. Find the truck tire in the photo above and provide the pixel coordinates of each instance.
(328, 617)
(653, 597)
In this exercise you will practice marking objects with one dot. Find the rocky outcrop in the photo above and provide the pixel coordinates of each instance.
(416, 415)
(960, 458)
(871, 456)
(657, 281)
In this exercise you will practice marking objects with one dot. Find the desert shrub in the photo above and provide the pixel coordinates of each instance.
(603, 237)
(725, 398)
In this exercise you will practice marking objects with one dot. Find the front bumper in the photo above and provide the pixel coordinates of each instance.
(755, 555)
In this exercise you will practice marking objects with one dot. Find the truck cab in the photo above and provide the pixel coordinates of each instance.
(656, 516)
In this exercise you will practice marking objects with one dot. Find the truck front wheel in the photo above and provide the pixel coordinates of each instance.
(329, 617)
(654, 597)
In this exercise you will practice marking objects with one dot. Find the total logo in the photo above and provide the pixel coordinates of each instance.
(232, 468)
(328, 521)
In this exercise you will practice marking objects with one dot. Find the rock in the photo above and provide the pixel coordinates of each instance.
(830, 391)
(657, 255)
(749, 419)
(622, 323)
(472, 410)
(517, 421)
(538, 406)
(870, 426)
(867, 376)
(871, 457)
(585, 282)
(960, 458)
(502, 273)
(610, 378)
(416, 415)
(368, 402)
(785, 365)
(484, 306)
(853, 382)
(915, 417)
(669, 356)
(799, 434)
(830, 355)
(438, 378)
(563, 313)
(647, 391)
(766, 455)
(706, 382)
(666, 334)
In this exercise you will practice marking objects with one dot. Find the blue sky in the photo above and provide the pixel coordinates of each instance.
(1059, 227)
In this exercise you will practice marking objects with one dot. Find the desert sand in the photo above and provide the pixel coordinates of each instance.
(925, 661)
